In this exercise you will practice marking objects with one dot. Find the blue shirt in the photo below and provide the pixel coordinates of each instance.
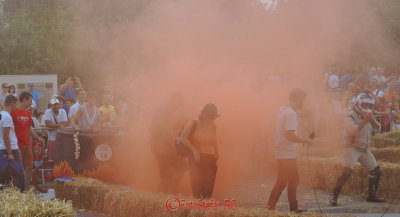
(36, 97)
(65, 107)
(69, 93)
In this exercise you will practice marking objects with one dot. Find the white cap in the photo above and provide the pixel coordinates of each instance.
(54, 101)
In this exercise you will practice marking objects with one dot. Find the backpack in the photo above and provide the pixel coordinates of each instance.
(181, 148)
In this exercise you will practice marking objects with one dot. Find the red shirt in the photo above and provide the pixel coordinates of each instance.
(22, 121)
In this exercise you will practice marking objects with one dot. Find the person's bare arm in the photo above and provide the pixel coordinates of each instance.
(64, 124)
(75, 118)
(35, 135)
(375, 123)
(291, 136)
(216, 144)
(1, 104)
(62, 88)
(6, 137)
(186, 141)
(56, 126)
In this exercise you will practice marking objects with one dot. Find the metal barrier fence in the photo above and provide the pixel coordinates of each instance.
(393, 126)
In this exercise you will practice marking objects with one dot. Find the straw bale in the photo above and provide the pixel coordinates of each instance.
(389, 154)
(15, 203)
(389, 135)
(85, 193)
(122, 202)
(384, 140)
(326, 170)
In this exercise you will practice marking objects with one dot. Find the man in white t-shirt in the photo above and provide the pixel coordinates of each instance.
(55, 118)
(81, 97)
(285, 150)
(10, 157)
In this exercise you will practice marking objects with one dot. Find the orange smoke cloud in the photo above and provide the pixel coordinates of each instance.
(220, 51)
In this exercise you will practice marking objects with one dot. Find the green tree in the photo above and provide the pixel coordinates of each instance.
(34, 38)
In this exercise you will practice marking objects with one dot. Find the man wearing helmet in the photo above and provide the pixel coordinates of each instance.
(359, 125)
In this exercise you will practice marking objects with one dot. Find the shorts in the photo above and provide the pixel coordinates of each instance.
(26, 155)
(364, 156)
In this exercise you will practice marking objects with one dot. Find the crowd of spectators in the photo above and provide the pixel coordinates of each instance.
(35, 131)
(345, 84)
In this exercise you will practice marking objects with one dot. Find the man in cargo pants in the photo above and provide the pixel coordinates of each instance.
(358, 129)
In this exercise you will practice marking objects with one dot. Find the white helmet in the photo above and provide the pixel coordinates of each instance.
(364, 98)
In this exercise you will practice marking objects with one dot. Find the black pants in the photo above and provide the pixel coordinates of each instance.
(202, 176)
(287, 176)
(172, 167)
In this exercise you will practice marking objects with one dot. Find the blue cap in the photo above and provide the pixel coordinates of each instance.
(30, 84)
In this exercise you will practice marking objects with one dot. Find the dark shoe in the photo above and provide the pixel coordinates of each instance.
(300, 210)
(333, 199)
(375, 200)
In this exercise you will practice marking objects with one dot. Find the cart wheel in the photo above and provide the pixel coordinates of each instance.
(43, 175)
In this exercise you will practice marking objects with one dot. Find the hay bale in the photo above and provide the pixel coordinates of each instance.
(14, 203)
(123, 202)
(326, 170)
(383, 140)
(389, 135)
(84, 193)
(389, 154)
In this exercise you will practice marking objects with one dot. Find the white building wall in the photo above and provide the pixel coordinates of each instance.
(46, 85)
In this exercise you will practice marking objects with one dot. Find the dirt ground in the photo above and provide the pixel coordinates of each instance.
(254, 192)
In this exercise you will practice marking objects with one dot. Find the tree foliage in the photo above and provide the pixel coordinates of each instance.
(34, 37)
(388, 12)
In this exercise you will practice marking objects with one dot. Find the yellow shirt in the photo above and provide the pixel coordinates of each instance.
(107, 110)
